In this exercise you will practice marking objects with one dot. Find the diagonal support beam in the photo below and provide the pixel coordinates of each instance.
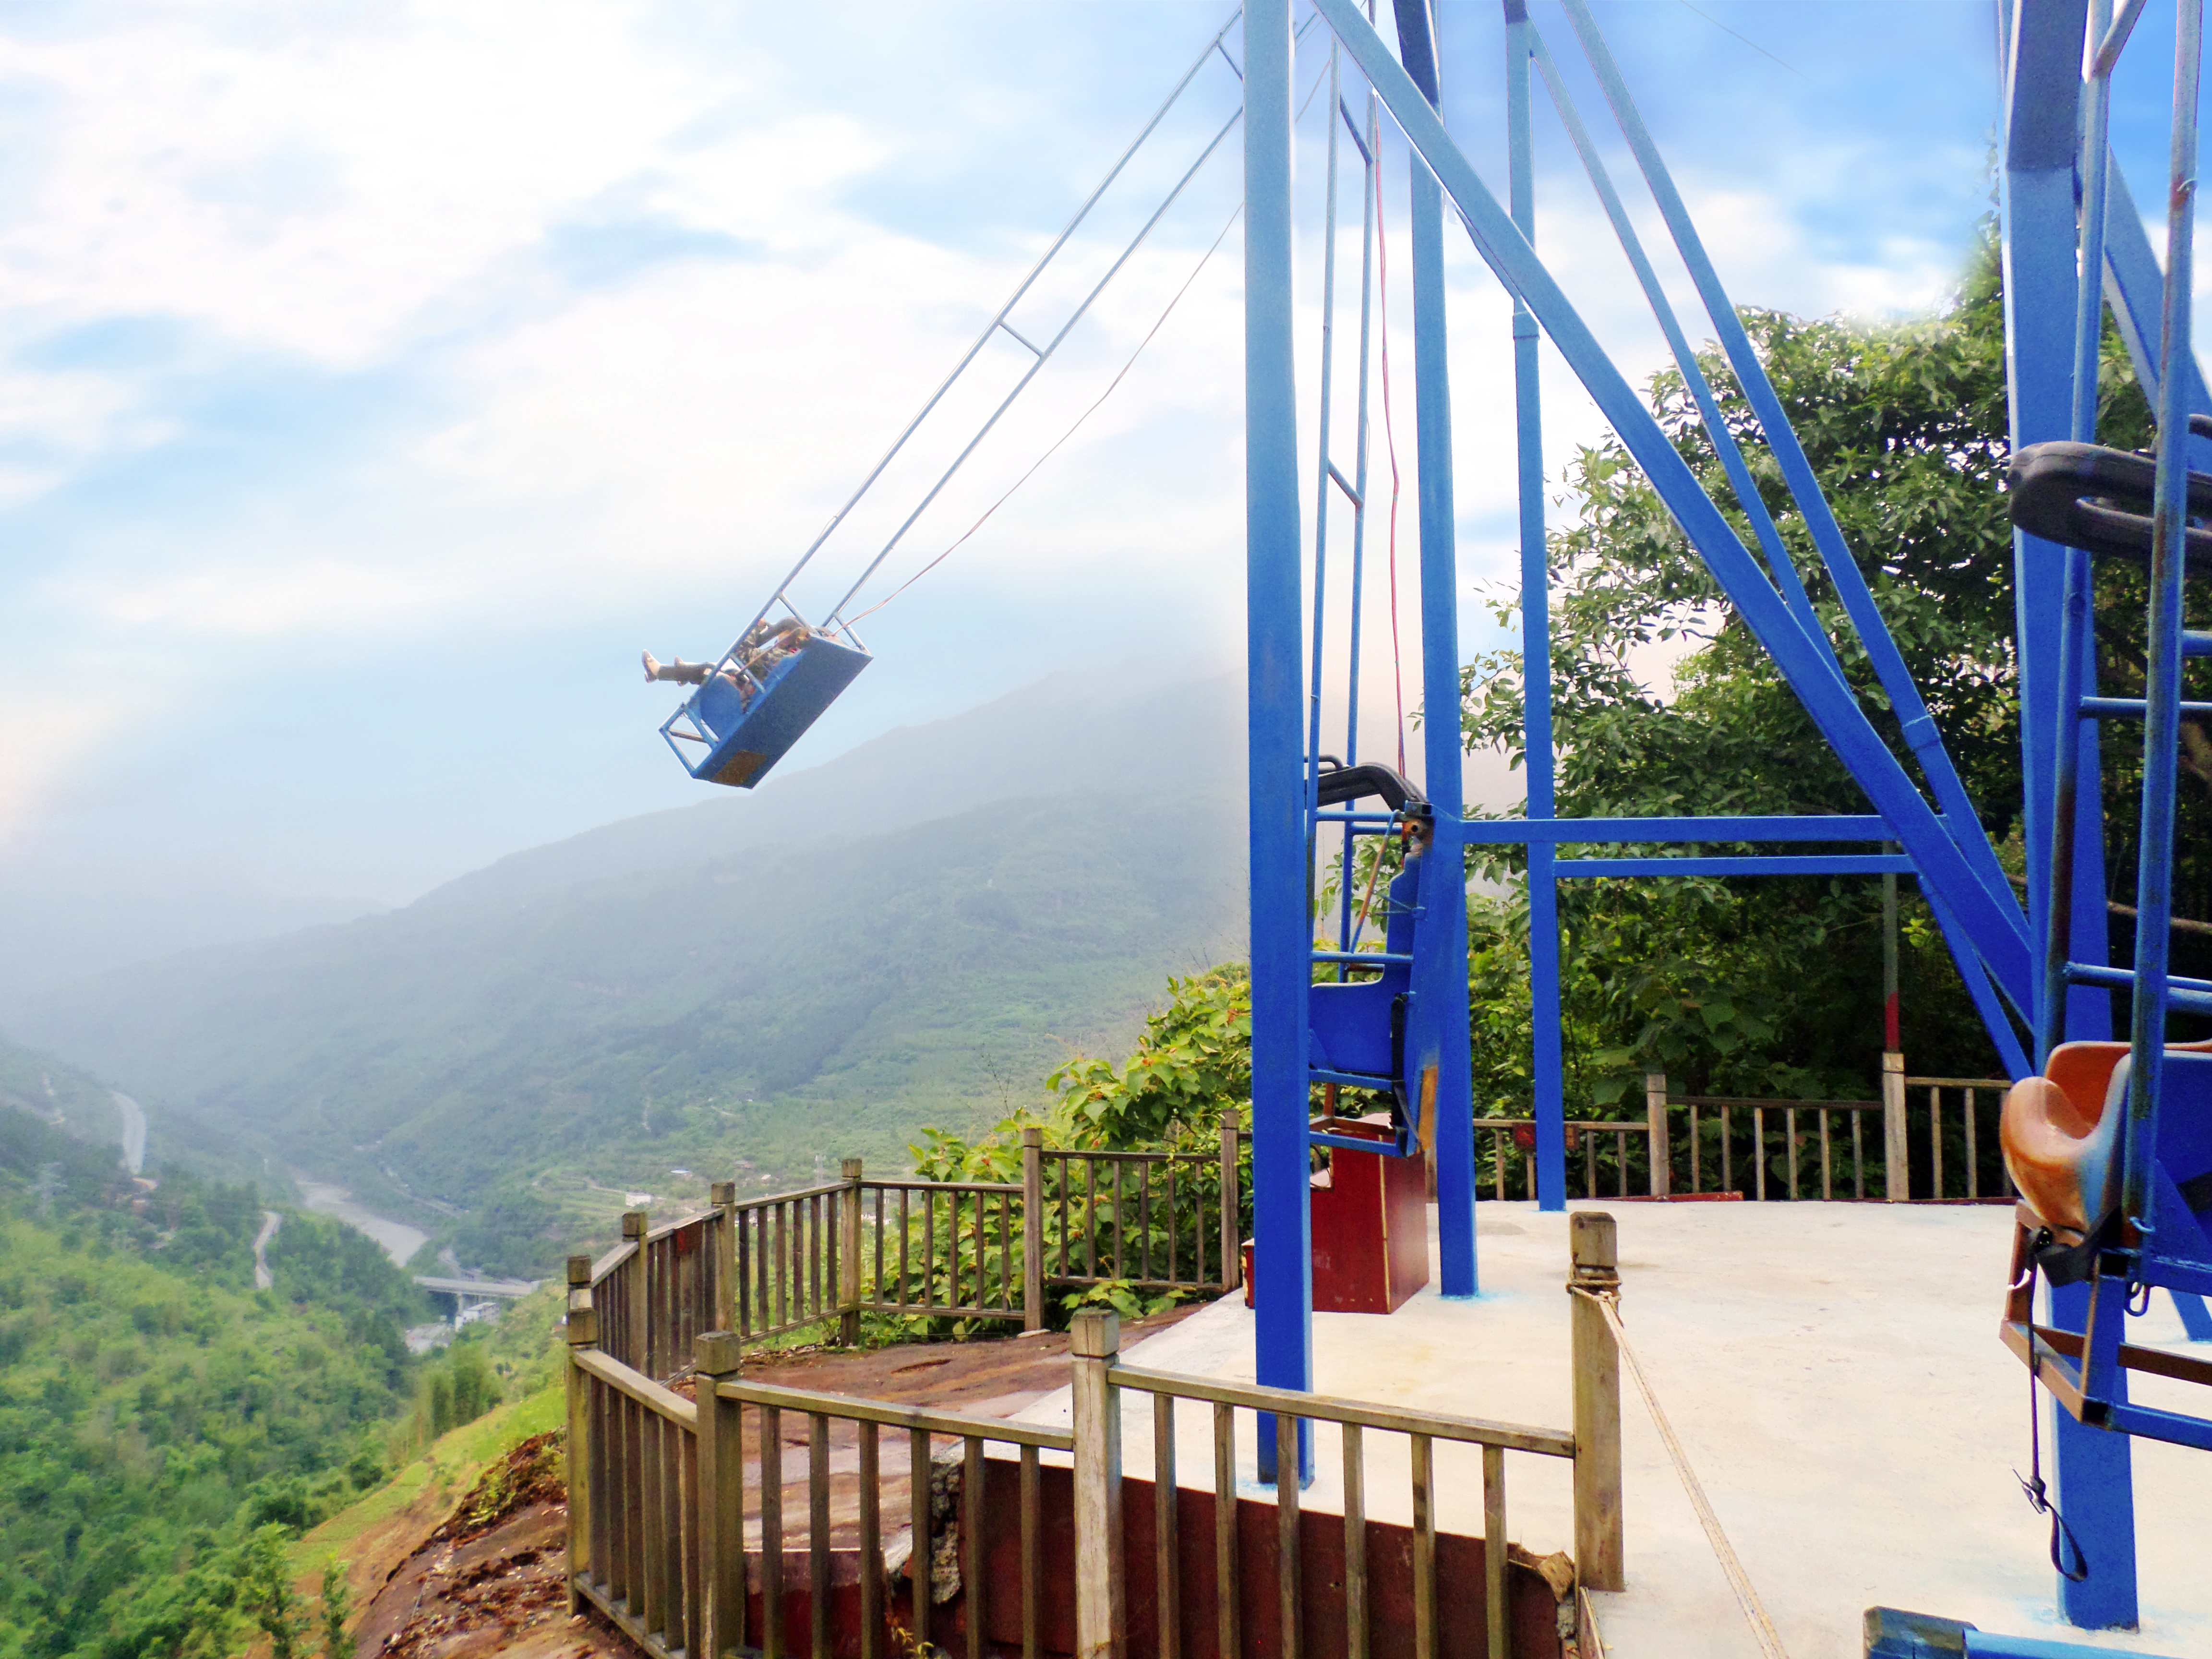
(1997, 932)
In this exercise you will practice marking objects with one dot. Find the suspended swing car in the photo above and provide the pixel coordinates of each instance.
(2066, 1145)
(1374, 1033)
(757, 702)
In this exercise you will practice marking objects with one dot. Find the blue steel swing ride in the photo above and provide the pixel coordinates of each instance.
(2110, 1143)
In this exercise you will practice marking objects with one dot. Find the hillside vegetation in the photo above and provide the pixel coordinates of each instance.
(164, 1426)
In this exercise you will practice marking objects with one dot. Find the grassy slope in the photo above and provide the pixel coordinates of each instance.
(383, 1526)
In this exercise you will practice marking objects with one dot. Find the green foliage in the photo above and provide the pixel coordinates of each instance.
(456, 1388)
(264, 1589)
(337, 1612)
(1193, 1066)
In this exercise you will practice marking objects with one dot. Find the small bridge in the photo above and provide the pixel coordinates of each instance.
(502, 1289)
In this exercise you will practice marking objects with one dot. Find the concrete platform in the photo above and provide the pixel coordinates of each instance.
(1834, 1372)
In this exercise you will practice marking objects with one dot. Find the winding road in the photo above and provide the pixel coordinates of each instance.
(263, 1278)
(134, 1131)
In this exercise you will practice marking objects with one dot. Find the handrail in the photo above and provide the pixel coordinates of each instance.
(1998, 1083)
(638, 1386)
(1775, 1103)
(1289, 1402)
(1133, 1158)
(873, 1185)
(893, 1416)
(761, 1202)
(712, 1213)
(1624, 1126)
(613, 1259)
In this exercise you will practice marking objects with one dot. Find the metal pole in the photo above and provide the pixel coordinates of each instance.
(1549, 1066)
(1891, 1036)
(1449, 1113)
(1317, 655)
(1371, 178)
(2041, 56)
(2162, 687)
(1281, 1209)
(2077, 863)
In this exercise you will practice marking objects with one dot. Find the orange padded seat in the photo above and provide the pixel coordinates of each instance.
(2060, 1131)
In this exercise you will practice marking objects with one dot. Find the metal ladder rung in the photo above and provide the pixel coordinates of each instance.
(1352, 1079)
(2129, 708)
(2194, 995)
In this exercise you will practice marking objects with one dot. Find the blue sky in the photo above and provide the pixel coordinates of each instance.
(376, 380)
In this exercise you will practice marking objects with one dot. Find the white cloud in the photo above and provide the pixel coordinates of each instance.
(314, 191)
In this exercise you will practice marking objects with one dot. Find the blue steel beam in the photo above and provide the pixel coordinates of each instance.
(1506, 832)
(2135, 289)
(1548, 1059)
(1996, 931)
(2039, 131)
(1774, 864)
(1282, 1217)
(1447, 1114)
(1918, 727)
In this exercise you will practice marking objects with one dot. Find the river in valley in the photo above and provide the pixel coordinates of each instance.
(400, 1240)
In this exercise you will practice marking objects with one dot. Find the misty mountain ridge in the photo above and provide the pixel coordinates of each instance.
(816, 971)
(1073, 732)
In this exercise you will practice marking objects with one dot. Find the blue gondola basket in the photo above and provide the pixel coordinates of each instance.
(743, 739)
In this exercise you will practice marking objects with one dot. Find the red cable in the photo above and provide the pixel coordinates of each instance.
(1390, 441)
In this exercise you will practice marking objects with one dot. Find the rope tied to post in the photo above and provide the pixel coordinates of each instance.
(1746, 1597)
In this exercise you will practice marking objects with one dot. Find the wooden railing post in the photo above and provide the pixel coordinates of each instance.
(723, 1194)
(848, 1266)
(1659, 1152)
(1232, 1242)
(582, 1332)
(1595, 1254)
(1896, 1153)
(1100, 1616)
(719, 1525)
(639, 1358)
(1033, 1229)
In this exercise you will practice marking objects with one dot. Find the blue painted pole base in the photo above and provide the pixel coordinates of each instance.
(2095, 1484)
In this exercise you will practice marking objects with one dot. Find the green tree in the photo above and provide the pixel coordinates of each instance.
(264, 1573)
(337, 1611)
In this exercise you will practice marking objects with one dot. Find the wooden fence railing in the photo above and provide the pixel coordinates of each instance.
(1927, 1138)
(693, 1551)
(1513, 1141)
(1144, 1218)
(1973, 1166)
(977, 1271)
(767, 1267)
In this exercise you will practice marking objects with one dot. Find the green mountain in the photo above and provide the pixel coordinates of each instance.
(512, 1064)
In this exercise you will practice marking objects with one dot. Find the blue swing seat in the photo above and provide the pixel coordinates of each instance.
(1377, 1034)
(745, 740)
